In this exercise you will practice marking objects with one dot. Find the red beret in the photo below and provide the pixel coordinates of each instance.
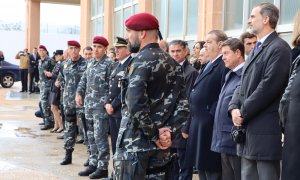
(73, 43)
(100, 40)
(142, 21)
(43, 47)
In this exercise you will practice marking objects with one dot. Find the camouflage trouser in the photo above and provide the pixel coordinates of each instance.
(134, 165)
(97, 133)
(45, 92)
(70, 134)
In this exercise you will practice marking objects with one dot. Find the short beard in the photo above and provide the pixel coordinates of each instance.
(135, 47)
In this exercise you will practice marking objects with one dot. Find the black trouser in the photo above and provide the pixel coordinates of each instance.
(114, 126)
(24, 79)
(34, 75)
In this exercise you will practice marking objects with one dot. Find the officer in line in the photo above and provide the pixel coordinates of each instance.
(113, 101)
(46, 65)
(93, 86)
(155, 102)
(69, 78)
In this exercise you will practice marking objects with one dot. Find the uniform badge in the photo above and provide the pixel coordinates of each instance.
(65, 66)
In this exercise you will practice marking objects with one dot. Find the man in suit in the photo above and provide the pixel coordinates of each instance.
(113, 101)
(203, 102)
(178, 51)
(254, 105)
(249, 41)
(33, 69)
(233, 57)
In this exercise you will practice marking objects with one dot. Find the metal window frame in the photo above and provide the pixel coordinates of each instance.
(121, 8)
(281, 28)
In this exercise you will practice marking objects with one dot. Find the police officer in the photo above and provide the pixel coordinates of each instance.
(69, 78)
(155, 102)
(46, 65)
(113, 100)
(93, 87)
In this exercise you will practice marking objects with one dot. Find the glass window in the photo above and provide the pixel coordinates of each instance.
(126, 1)
(118, 3)
(97, 7)
(192, 17)
(135, 9)
(94, 5)
(97, 25)
(233, 14)
(97, 17)
(118, 25)
(255, 2)
(123, 10)
(159, 11)
(288, 11)
(126, 15)
(175, 17)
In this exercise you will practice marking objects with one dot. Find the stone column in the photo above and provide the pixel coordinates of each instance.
(85, 23)
(210, 14)
(32, 24)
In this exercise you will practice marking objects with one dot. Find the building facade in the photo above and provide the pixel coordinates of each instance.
(189, 20)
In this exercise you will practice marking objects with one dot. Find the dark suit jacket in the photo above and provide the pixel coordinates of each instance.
(263, 81)
(189, 74)
(33, 62)
(114, 97)
(203, 102)
(221, 141)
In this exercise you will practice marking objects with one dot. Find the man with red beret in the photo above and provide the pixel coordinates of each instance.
(46, 64)
(155, 103)
(69, 77)
(93, 87)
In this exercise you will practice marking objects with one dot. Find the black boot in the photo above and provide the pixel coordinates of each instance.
(99, 173)
(86, 163)
(89, 170)
(68, 157)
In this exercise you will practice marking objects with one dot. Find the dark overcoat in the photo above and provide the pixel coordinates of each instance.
(203, 102)
(263, 81)
(291, 148)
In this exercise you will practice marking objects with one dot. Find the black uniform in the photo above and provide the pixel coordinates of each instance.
(114, 98)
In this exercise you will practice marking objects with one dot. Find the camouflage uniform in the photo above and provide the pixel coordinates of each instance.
(46, 64)
(69, 79)
(93, 87)
(155, 98)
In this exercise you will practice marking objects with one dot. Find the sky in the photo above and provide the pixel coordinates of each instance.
(14, 11)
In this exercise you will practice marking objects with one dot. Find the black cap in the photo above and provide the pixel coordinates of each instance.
(120, 42)
(59, 52)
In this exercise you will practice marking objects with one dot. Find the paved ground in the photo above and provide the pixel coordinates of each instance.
(26, 152)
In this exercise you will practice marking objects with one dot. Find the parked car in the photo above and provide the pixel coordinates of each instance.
(9, 74)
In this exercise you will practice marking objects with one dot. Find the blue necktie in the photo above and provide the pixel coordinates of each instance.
(257, 47)
(207, 66)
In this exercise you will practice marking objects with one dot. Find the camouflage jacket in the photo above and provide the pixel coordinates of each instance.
(93, 85)
(69, 77)
(155, 98)
(46, 64)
